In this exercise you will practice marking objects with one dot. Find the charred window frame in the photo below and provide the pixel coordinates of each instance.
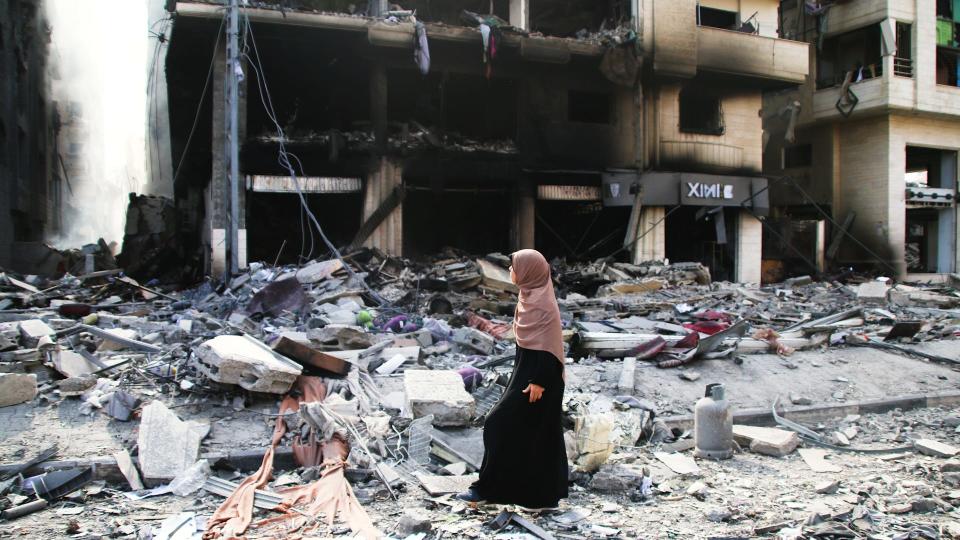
(701, 113)
(800, 155)
(589, 107)
(717, 18)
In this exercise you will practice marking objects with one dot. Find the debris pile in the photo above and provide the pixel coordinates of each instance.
(385, 368)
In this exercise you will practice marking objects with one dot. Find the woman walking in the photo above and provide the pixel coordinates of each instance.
(524, 460)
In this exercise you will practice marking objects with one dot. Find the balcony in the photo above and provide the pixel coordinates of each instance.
(847, 16)
(750, 55)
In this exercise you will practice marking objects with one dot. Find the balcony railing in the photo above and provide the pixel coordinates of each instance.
(870, 71)
(903, 67)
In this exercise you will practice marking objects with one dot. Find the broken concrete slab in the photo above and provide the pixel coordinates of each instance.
(437, 485)
(679, 463)
(129, 470)
(815, 458)
(617, 478)
(308, 356)
(592, 445)
(318, 271)
(32, 330)
(16, 388)
(122, 333)
(767, 441)
(474, 339)
(440, 393)
(933, 448)
(244, 361)
(628, 375)
(873, 292)
(496, 277)
(167, 445)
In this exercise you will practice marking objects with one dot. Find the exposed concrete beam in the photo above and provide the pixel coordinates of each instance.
(351, 23)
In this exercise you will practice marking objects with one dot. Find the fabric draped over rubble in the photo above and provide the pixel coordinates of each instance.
(331, 495)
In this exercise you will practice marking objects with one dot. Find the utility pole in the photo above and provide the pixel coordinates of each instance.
(232, 150)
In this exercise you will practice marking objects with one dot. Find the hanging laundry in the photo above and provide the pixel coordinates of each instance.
(421, 52)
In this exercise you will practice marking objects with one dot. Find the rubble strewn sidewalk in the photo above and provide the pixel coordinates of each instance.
(187, 388)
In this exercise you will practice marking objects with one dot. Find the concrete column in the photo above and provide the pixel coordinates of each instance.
(749, 248)
(524, 217)
(388, 236)
(378, 105)
(652, 231)
(216, 194)
(520, 14)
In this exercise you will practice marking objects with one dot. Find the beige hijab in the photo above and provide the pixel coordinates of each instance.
(536, 322)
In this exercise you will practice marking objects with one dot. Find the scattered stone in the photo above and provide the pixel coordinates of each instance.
(123, 333)
(952, 421)
(318, 271)
(246, 362)
(924, 504)
(767, 441)
(841, 439)
(690, 375)
(167, 445)
(850, 432)
(718, 514)
(950, 466)
(413, 523)
(616, 478)
(828, 487)
(77, 386)
(437, 485)
(698, 490)
(16, 388)
(679, 463)
(797, 399)
(934, 448)
(440, 393)
(899, 508)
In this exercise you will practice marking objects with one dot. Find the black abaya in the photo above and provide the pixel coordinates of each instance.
(525, 460)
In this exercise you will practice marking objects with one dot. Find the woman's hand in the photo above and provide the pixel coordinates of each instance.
(535, 391)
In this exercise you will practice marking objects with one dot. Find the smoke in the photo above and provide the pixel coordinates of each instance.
(99, 55)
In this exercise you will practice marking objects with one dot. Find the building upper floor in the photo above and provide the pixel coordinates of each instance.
(739, 38)
(875, 56)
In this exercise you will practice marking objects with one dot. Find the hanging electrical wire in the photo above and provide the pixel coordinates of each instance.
(287, 159)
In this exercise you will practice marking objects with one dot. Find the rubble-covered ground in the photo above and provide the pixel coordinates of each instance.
(186, 387)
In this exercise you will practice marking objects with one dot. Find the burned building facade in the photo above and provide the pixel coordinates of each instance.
(579, 128)
(29, 180)
(869, 144)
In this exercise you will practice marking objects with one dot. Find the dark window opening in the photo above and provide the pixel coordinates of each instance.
(857, 53)
(577, 18)
(449, 11)
(589, 107)
(946, 9)
(700, 113)
(903, 61)
(705, 235)
(717, 18)
(948, 66)
(275, 230)
(579, 230)
(797, 156)
(468, 216)
(930, 174)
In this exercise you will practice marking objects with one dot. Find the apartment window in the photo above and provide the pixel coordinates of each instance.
(800, 155)
(948, 66)
(857, 53)
(589, 107)
(700, 113)
(948, 42)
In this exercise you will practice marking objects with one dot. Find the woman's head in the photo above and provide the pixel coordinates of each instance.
(529, 269)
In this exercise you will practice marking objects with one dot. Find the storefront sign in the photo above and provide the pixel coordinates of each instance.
(697, 190)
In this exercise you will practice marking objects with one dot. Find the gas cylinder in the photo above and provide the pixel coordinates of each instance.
(713, 424)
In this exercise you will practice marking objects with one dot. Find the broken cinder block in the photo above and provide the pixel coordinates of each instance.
(440, 393)
(32, 330)
(16, 388)
(246, 362)
(473, 338)
(933, 448)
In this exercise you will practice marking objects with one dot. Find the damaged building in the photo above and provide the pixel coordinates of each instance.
(29, 178)
(868, 145)
(582, 129)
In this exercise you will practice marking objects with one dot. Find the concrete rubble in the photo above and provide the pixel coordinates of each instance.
(412, 354)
